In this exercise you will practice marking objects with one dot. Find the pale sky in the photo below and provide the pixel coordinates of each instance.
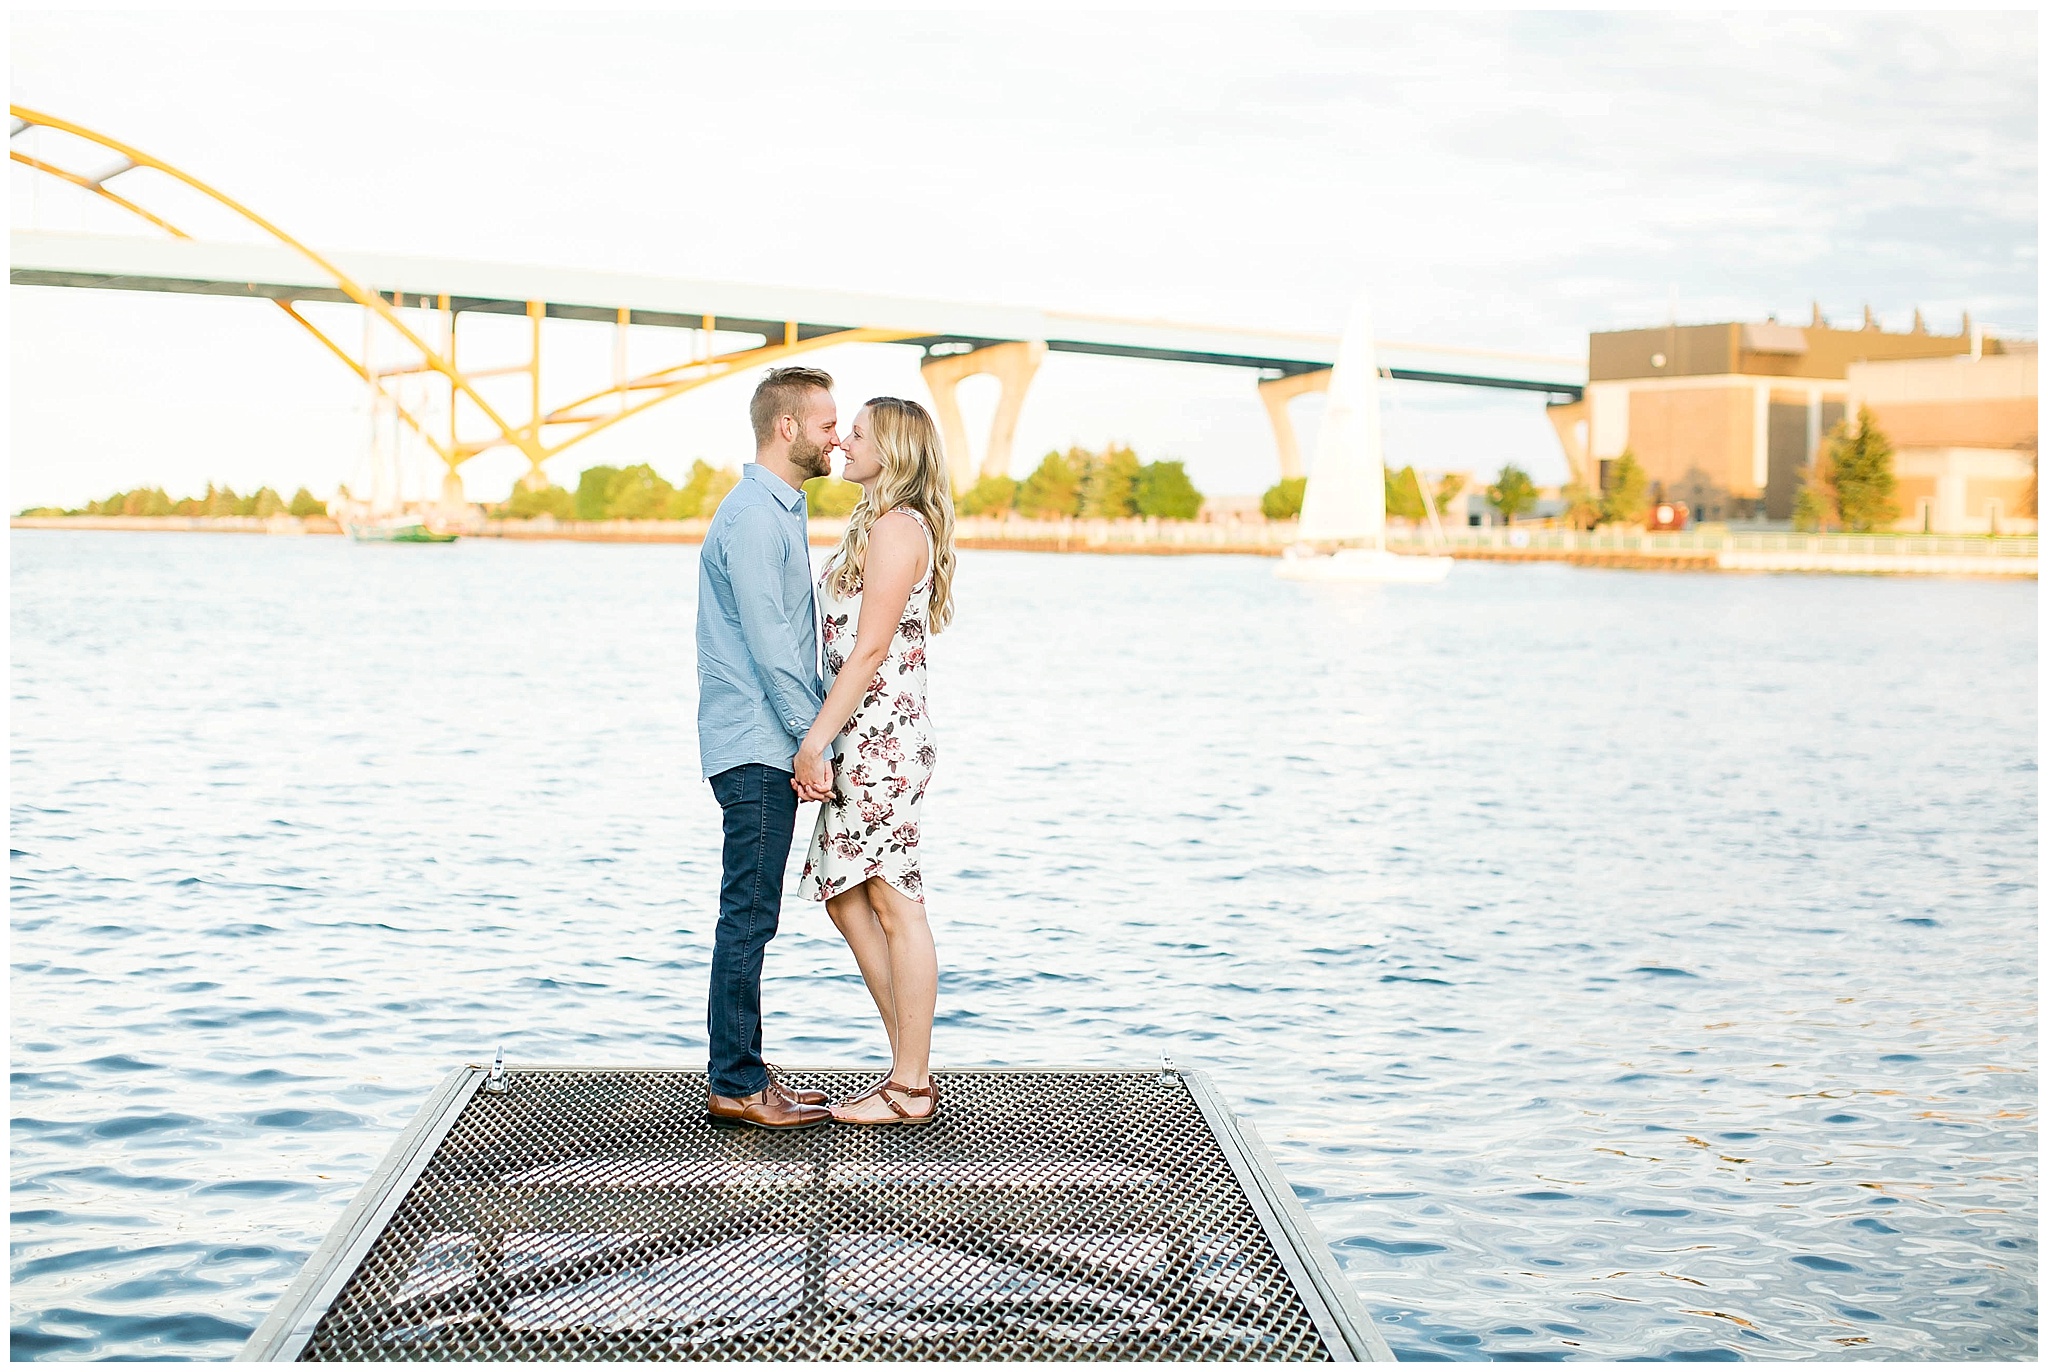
(1507, 180)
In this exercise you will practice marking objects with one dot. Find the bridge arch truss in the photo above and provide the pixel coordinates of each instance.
(542, 432)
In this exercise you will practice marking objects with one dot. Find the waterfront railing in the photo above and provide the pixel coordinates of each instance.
(1507, 539)
(1511, 537)
(1730, 546)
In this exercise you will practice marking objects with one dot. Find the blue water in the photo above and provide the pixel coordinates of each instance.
(1620, 964)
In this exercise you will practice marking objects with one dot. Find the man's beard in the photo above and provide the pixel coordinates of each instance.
(812, 459)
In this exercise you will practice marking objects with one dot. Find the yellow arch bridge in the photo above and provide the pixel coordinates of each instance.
(958, 340)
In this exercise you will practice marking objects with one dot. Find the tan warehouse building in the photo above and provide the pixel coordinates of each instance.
(1725, 416)
(1965, 434)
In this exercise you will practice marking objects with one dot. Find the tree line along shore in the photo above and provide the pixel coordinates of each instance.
(1075, 484)
(1849, 488)
(1113, 483)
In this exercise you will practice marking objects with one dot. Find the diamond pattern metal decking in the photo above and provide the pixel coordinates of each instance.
(591, 1213)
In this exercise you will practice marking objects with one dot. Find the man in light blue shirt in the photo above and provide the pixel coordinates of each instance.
(757, 641)
(757, 692)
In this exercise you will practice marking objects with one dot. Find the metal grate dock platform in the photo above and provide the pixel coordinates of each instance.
(593, 1213)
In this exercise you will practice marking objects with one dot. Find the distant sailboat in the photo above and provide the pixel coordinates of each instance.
(385, 519)
(1344, 509)
(401, 530)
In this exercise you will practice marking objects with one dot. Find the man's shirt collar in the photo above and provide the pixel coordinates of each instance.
(786, 495)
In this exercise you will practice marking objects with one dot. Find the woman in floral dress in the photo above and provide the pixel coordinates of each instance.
(869, 755)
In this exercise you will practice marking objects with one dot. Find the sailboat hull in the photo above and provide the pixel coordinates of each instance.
(1361, 564)
(397, 533)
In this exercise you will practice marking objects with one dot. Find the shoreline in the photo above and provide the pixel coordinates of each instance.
(1852, 554)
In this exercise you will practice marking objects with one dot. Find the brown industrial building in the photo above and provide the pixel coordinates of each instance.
(1726, 416)
(1965, 435)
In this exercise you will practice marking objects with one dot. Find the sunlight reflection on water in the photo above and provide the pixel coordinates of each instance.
(1619, 964)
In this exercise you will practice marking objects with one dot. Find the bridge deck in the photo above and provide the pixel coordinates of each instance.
(116, 262)
(594, 1213)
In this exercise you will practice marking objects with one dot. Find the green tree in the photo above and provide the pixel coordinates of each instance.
(1053, 490)
(1110, 490)
(593, 492)
(221, 500)
(1512, 492)
(1165, 492)
(992, 495)
(147, 501)
(637, 492)
(1861, 465)
(1449, 487)
(305, 505)
(266, 503)
(830, 498)
(531, 502)
(135, 502)
(1815, 510)
(1404, 495)
(702, 489)
(1582, 508)
(1283, 499)
(1627, 497)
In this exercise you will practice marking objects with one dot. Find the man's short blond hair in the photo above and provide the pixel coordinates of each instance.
(784, 391)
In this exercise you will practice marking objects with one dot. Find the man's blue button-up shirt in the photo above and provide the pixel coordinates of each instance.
(757, 636)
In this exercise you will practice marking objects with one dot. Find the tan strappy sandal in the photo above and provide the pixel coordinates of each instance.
(864, 1093)
(903, 1117)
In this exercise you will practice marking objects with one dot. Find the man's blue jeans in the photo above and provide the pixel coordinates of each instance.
(760, 819)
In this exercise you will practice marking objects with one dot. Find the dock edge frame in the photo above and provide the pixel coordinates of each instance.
(286, 1331)
(1346, 1329)
(1322, 1285)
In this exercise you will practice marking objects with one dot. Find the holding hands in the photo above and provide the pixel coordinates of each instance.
(813, 779)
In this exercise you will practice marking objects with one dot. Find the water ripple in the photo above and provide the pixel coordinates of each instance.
(1620, 966)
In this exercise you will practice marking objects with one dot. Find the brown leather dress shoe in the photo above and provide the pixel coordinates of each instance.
(765, 1109)
(791, 1093)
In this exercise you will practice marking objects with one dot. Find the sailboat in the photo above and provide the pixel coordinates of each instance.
(385, 519)
(1344, 509)
(398, 530)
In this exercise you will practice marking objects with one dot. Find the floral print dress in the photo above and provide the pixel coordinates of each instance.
(882, 760)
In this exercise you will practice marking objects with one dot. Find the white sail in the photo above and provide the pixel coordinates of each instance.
(1346, 500)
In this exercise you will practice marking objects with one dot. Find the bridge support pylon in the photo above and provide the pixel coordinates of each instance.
(1013, 364)
(454, 504)
(1278, 393)
(1569, 419)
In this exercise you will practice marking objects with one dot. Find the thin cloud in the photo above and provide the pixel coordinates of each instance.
(1508, 180)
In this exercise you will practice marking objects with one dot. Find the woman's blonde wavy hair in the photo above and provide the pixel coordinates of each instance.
(913, 477)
